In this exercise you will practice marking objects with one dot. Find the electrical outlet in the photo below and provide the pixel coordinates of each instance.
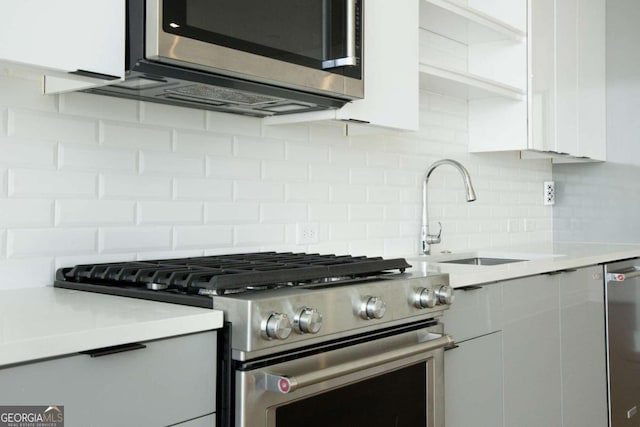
(306, 233)
(549, 193)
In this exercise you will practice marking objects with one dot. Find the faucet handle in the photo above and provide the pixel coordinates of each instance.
(435, 238)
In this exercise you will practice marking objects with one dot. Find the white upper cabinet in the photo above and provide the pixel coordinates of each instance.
(66, 36)
(533, 72)
(568, 84)
(391, 93)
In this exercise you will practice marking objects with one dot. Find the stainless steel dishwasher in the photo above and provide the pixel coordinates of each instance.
(623, 341)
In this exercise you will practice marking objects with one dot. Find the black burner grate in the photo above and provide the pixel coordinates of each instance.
(222, 273)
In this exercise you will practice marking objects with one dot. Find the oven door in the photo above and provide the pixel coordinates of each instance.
(314, 46)
(392, 380)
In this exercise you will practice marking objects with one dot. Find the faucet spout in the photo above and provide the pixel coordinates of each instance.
(427, 239)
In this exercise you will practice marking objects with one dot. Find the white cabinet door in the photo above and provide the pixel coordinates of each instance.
(166, 382)
(65, 36)
(568, 84)
(584, 375)
(531, 350)
(391, 93)
(473, 369)
(391, 89)
(473, 382)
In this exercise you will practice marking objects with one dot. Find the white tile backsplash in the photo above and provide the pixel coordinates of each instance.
(85, 178)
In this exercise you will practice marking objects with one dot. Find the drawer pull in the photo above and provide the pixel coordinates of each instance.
(105, 351)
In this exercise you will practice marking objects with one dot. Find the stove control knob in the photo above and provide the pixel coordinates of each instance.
(308, 321)
(373, 308)
(425, 298)
(445, 294)
(277, 326)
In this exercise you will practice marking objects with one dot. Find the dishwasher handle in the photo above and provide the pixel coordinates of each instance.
(286, 384)
(622, 276)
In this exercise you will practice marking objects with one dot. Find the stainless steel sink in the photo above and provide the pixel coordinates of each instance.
(482, 261)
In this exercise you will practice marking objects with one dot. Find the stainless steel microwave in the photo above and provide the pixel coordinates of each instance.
(251, 57)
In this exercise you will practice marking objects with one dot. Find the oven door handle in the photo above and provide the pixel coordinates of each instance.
(286, 384)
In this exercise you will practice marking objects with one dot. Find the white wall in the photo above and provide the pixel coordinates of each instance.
(85, 178)
(601, 202)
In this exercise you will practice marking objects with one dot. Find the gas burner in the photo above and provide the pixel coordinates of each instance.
(224, 274)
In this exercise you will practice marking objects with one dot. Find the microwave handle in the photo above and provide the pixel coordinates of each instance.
(351, 58)
(286, 384)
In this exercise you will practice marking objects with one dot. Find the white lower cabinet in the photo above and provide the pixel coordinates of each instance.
(473, 369)
(583, 347)
(163, 382)
(473, 382)
(531, 352)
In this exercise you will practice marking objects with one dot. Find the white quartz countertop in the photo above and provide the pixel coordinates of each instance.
(539, 258)
(37, 323)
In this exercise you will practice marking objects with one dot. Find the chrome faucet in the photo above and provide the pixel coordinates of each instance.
(427, 239)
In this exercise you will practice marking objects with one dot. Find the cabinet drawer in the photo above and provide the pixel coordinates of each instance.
(475, 311)
(165, 382)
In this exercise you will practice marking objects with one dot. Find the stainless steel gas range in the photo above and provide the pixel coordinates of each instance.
(309, 339)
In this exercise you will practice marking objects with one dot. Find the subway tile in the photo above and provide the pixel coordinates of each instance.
(50, 241)
(3, 182)
(259, 191)
(232, 213)
(341, 192)
(203, 237)
(138, 239)
(289, 132)
(59, 184)
(25, 93)
(52, 127)
(401, 212)
(170, 212)
(347, 230)
(26, 213)
(366, 212)
(3, 122)
(306, 152)
(307, 192)
(377, 230)
(94, 212)
(168, 115)
(258, 148)
(328, 212)
(286, 171)
(383, 159)
(101, 107)
(134, 136)
(401, 178)
(93, 158)
(170, 163)
(203, 143)
(135, 187)
(202, 189)
(26, 273)
(368, 176)
(258, 234)
(234, 124)
(329, 173)
(328, 131)
(344, 156)
(283, 212)
(379, 194)
(228, 167)
(28, 153)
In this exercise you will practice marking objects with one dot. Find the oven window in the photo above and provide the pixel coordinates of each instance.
(300, 32)
(397, 399)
